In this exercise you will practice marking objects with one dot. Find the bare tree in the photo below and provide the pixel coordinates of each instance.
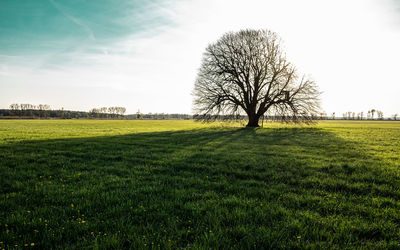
(94, 111)
(108, 112)
(103, 110)
(246, 72)
(395, 116)
(380, 114)
(14, 106)
(372, 113)
(122, 110)
(139, 115)
(42, 107)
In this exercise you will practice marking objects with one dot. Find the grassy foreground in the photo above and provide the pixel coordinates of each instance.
(180, 184)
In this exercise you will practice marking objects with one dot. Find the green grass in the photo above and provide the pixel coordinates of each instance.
(180, 184)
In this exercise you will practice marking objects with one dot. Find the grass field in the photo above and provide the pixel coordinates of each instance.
(181, 184)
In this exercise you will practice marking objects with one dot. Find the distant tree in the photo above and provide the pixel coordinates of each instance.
(380, 114)
(122, 110)
(395, 117)
(346, 115)
(361, 115)
(333, 115)
(117, 110)
(103, 110)
(111, 110)
(14, 106)
(246, 72)
(107, 112)
(139, 115)
(95, 112)
(372, 113)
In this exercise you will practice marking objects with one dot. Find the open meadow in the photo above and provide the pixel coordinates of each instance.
(182, 184)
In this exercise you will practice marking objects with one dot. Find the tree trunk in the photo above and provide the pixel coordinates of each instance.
(253, 121)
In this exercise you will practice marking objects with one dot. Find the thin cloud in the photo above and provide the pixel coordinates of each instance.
(75, 20)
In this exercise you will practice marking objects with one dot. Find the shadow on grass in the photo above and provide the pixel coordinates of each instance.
(244, 188)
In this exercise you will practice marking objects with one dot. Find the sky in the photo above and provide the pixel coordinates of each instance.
(144, 55)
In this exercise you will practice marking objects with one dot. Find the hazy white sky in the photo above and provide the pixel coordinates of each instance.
(145, 54)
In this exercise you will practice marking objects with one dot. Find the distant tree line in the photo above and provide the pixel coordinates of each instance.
(159, 116)
(44, 111)
(61, 114)
(108, 112)
(30, 111)
(372, 114)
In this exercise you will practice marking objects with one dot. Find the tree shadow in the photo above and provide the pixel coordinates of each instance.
(205, 180)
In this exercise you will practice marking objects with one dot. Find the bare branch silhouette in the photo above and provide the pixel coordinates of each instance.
(246, 73)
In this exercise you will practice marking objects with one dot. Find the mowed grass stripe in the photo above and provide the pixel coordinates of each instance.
(181, 184)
